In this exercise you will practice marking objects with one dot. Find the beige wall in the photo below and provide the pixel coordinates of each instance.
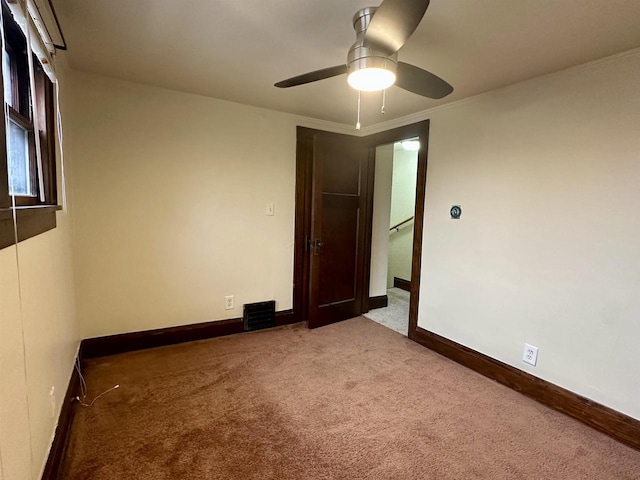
(170, 191)
(380, 228)
(546, 252)
(403, 204)
(168, 204)
(37, 323)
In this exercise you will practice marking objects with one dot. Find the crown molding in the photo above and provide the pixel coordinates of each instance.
(424, 114)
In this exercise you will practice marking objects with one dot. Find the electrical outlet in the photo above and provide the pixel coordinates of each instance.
(228, 302)
(52, 396)
(530, 354)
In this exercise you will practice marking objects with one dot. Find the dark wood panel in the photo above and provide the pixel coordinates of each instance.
(63, 430)
(304, 168)
(36, 221)
(418, 225)
(402, 284)
(285, 317)
(31, 222)
(619, 426)
(340, 173)
(380, 301)
(338, 267)
(339, 198)
(368, 230)
(128, 342)
(7, 234)
(5, 198)
(332, 312)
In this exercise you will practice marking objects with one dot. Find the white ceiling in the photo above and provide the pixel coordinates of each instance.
(237, 49)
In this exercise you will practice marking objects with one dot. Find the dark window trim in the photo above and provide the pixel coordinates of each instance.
(31, 221)
(33, 217)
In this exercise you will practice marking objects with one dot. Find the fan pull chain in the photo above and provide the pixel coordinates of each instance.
(358, 120)
(384, 100)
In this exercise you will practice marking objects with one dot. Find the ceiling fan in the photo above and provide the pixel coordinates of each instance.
(372, 61)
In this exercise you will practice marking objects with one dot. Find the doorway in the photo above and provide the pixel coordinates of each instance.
(394, 196)
(348, 162)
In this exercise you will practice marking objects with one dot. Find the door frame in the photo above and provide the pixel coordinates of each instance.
(303, 189)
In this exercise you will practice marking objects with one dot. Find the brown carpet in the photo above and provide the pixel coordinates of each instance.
(352, 400)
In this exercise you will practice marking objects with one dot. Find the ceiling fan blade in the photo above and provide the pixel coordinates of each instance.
(393, 23)
(312, 76)
(416, 80)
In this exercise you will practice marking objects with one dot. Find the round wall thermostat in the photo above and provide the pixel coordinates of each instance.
(456, 211)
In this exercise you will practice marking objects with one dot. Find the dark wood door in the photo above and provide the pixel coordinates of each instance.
(334, 204)
(339, 179)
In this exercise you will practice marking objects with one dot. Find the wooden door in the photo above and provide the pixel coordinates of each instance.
(337, 227)
(334, 204)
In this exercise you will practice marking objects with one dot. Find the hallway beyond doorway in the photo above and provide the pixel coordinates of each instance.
(396, 314)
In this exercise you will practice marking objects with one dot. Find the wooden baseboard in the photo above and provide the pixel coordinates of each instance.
(615, 424)
(63, 430)
(402, 284)
(128, 342)
(285, 317)
(380, 301)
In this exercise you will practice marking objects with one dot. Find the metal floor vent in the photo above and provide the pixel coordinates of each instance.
(259, 315)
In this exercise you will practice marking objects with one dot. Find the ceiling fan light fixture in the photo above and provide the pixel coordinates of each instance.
(371, 79)
(372, 61)
(368, 70)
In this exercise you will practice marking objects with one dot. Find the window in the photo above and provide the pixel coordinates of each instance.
(26, 178)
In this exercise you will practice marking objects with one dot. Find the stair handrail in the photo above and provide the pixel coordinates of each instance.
(397, 226)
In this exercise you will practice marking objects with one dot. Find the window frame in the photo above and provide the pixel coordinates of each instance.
(33, 214)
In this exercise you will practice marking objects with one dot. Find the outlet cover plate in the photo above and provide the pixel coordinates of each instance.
(530, 354)
(228, 302)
